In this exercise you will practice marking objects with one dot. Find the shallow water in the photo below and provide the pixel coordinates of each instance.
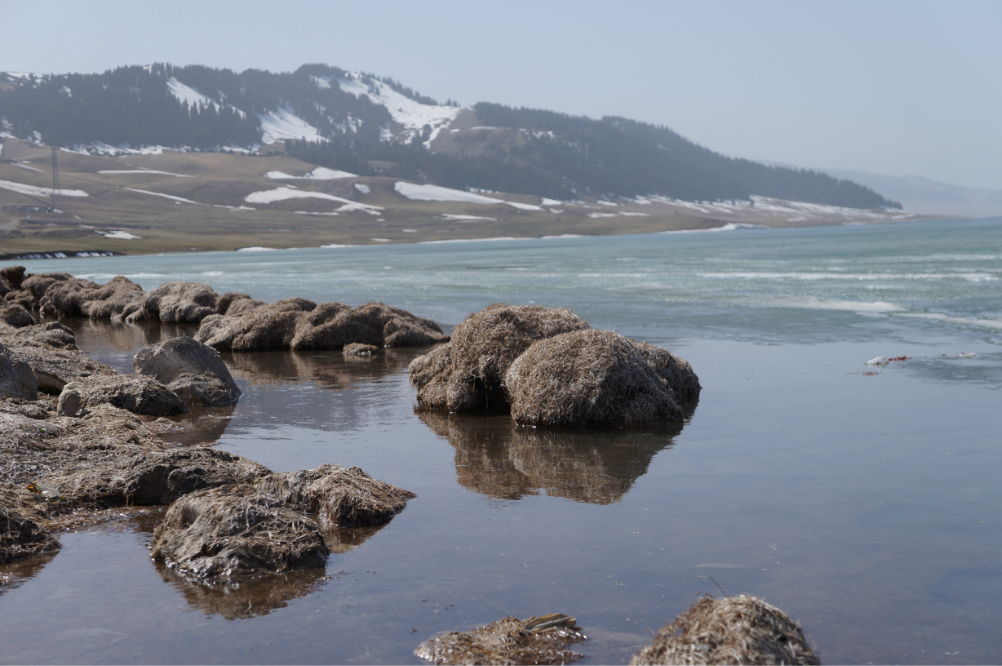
(861, 504)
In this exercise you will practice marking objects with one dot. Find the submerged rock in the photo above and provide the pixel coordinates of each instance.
(733, 630)
(236, 531)
(538, 640)
(468, 375)
(176, 303)
(598, 377)
(190, 369)
(358, 349)
(135, 393)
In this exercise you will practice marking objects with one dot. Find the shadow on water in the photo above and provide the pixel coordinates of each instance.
(506, 461)
(15, 574)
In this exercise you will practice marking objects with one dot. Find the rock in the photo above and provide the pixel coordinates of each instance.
(469, 375)
(69, 403)
(16, 378)
(38, 284)
(50, 335)
(119, 298)
(14, 275)
(243, 306)
(598, 377)
(338, 496)
(5, 287)
(732, 630)
(191, 369)
(21, 535)
(135, 393)
(236, 532)
(223, 302)
(265, 328)
(21, 297)
(154, 477)
(15, 315)
(176, 303)
(538, 640)
(356, 349)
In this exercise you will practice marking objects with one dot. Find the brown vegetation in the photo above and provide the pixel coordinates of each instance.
(732, 630)
(598, 377)
(542, 640)
(469, 375)
(176, 302)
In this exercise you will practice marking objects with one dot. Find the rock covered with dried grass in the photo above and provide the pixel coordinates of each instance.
(15, 315)
(236, 531)
(268, 327)
(176, 303)
(468, 374)
(76, 297)
(21, 535)
(338, 496)
(135, 393)
(360, 350)
(598, 377)
(16, 378)
(733, 630)
(538, 640)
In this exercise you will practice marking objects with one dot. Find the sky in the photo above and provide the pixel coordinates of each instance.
(887, 87)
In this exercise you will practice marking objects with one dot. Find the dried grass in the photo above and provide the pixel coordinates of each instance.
(482, 349)
(597, 377)
(15, 315)
(176, 303)
(21, 535)
(14, 275)
(269, 327)
(337, 496)
(82, 298)
(359, 350)
(507, 641)
(732, 630)
(135, 393)
(236, 531)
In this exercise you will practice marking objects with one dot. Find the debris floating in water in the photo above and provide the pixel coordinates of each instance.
(882, 361)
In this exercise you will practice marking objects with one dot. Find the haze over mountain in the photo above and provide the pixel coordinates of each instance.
(375, 126)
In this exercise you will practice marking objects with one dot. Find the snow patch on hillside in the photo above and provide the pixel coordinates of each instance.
(413, 116)
(165, 196)
(284, 193)
(119, 235)
(188, 94)
(320, 173)
(284, 124)
(790, 211)
(25, 166)
(33, 191)
(150, 171)
(435, 193)
(364, 189)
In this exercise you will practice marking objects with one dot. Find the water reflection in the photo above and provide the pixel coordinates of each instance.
(328, 369)
(597, 466)
(202, 425)
(15, 574)
(268, 593)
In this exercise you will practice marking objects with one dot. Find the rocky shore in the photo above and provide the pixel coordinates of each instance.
(79, 440)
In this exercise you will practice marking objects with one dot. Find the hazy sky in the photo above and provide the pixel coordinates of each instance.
(897, 88)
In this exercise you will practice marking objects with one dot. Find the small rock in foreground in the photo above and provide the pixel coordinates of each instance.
(538, 640)
(733, 630)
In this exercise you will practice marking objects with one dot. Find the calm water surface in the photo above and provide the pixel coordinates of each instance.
(864, 505)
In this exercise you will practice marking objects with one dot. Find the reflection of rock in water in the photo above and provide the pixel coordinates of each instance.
(15, 574)
(328, 369)
(249, 598)
(261, 596)
(597, 465)
(96, 334)
(200, 425)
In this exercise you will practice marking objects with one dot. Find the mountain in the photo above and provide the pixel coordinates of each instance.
(929, 196)
(375, 126)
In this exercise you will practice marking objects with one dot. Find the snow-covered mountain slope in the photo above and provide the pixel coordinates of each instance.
(412, 116)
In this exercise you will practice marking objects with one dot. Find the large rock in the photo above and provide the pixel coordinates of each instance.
(236, 531)
(118, 298)
(38, 284)
(333, 325)
(14, 275)
(598, 377)
(135, 393)
(16, 378)
(268, 327)
(191, 369)
(153, 477)
(732, 630)
(15, 315)
(468, 374)
(50, 335)
(538, 640)
(338, 496)
(176, 303)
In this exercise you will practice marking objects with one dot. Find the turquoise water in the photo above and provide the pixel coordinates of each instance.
(860, 499)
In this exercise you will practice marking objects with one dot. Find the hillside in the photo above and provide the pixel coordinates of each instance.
(376, 127)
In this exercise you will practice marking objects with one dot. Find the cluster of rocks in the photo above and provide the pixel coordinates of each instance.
(546, 366)
(229, 322)
(74, 434)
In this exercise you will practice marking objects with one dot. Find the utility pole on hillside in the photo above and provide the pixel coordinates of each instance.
(55, 180)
